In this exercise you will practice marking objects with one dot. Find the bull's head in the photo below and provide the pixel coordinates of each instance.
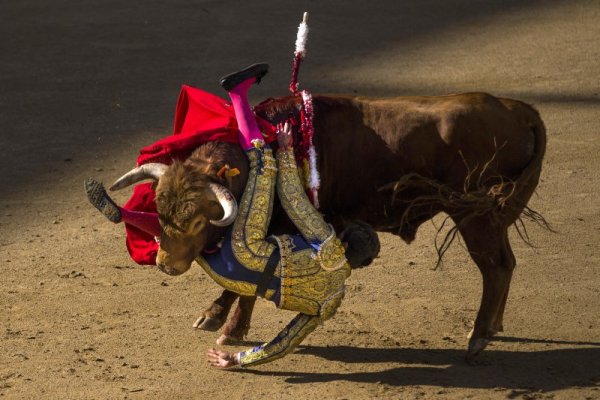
(191, 207)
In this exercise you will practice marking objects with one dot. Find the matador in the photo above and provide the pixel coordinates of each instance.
(302, 272)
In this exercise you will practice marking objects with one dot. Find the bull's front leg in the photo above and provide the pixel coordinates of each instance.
(215, 315)
(238, 326)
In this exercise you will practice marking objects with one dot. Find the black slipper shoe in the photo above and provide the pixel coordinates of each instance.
(99, 198)
(257, 71)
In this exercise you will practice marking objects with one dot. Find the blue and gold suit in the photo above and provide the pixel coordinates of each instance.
(311, 269)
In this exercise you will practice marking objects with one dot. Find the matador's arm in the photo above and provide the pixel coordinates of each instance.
(295, 202)
(290, 336)
(285, 342)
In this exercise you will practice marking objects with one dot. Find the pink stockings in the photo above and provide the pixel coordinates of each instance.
(146, 221)
(245, 117)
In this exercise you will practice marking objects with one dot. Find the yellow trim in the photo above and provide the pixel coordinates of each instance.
(250, 228)
(295, 202)
(239, 287)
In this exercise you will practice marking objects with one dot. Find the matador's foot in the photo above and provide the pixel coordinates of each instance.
(257, 71)
(99, 198)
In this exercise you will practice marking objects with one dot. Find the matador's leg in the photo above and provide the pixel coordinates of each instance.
(237, 86)
(146, 221)
(254, 214)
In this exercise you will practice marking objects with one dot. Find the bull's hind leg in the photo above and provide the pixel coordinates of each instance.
(490, 249)
(498, 324)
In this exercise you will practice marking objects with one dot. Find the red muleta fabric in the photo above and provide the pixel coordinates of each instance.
(200, 117)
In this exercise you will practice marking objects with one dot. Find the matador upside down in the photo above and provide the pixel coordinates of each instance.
(302, 272)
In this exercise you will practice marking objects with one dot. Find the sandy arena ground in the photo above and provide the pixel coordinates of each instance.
(84, 84)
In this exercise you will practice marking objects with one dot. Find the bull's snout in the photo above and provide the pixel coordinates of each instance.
(169, 270)
(171, 265)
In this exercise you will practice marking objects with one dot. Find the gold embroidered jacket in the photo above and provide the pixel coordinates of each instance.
(311, 278)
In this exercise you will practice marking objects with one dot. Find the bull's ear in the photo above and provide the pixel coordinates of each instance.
(209, 169)
(197, 226)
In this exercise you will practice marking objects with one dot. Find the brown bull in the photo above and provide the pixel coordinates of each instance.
(473, 156)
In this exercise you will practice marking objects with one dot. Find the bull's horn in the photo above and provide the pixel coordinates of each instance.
(228, 203)
(146, 171)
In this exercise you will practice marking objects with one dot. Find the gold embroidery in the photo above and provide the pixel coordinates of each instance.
(250, 227)
(305, 285)
(331, 255)
(286, 341)
(295, 202)
(293, 334)
(312, 283)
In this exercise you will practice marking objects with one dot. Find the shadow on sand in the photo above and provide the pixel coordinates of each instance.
(522, 371)
(95, 82)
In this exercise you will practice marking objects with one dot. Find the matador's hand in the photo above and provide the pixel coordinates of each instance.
(284, 136)
(221, 359)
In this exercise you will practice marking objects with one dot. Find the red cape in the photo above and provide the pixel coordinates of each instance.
(200, 117)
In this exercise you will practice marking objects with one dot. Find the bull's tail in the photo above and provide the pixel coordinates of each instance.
(527, 181)
(504, 202)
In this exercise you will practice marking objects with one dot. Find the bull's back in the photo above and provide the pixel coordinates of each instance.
(371, 142)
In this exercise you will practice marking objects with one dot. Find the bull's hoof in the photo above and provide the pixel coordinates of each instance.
(490, 332)
(208, 324)
(476, 346)
(228, 340)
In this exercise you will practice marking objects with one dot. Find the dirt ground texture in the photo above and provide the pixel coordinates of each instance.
(84, 84)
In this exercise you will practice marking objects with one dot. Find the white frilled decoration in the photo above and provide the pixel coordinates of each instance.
(299, 53)
(309, 154)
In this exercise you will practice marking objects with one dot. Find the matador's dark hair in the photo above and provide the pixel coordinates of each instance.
(362, 243)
